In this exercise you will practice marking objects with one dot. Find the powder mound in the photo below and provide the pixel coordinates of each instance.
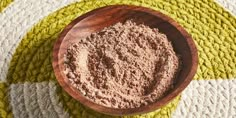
(126, 65)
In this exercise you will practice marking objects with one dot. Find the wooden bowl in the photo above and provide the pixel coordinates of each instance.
(99, 18)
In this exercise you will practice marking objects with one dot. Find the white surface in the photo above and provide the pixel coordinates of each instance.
(229, 5)
(18, 18)
(36, 100)
(208, 99)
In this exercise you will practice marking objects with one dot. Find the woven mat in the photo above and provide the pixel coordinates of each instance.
(28, 29)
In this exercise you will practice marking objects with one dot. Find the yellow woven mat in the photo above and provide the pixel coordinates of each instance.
(30, 82)
(4, 4)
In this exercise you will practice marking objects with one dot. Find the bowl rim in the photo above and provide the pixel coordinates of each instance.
(128, 111)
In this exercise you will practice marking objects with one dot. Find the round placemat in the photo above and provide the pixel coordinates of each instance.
(28, 86)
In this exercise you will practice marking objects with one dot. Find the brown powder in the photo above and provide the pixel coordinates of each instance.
(122, 66)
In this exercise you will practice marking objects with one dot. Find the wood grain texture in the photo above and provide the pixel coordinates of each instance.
(99, 18)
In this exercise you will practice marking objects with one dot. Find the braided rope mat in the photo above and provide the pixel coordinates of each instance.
(230, 5)
(29, 28)
(4, 4)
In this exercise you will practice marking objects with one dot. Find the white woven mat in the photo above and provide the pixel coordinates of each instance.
(202, 98)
